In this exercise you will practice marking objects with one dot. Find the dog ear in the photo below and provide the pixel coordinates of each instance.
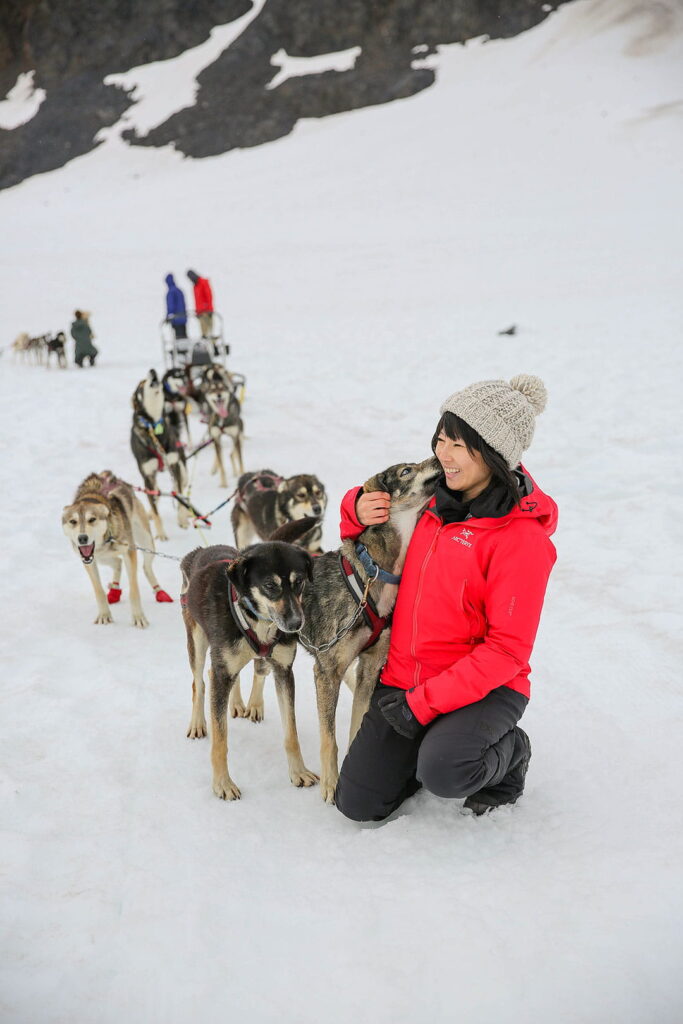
(282, 486)
(237, 571)
(309, 564)
(378, 482)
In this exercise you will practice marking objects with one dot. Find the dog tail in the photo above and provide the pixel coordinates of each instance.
(292, 531)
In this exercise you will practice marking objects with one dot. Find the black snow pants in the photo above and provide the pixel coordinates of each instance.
(457, 755)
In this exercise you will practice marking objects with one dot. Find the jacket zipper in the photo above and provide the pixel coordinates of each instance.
(423, 568)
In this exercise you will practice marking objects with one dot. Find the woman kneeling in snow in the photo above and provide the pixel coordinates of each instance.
(456, 681)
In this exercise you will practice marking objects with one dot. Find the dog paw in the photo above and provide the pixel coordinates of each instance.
(103, 618)
(162, 535)
(114, 595)
(303, 778)
(162, 597)
(196, 730)
(327, 789)
(139, 620)
(183, 524)
(225, 788)
(254, 712)
(238, 710)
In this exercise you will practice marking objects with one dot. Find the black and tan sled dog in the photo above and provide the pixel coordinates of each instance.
(105, 523)
(241, 607)
(349, 601)
(156, 446)
(266, 501)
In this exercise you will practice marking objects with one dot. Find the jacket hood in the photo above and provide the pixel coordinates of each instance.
(192, 276)
(534, 504)
(169, 281)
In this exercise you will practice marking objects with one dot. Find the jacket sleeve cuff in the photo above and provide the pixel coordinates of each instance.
(350, 525)
(419, 706)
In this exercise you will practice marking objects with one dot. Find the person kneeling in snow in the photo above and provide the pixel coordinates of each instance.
(445, 709)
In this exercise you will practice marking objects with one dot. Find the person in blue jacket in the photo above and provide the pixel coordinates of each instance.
(175, 308)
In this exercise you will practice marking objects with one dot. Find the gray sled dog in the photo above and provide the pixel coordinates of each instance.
(224, 420)
(104, 524)
(156, 446)
(266, 501)
(241, 606)
(349, 601)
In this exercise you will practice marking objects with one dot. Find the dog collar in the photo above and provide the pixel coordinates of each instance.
(248, 604)
(371, 567)
(157, 427)
(262, 650)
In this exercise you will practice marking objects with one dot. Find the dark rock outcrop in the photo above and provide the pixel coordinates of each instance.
(73, 45)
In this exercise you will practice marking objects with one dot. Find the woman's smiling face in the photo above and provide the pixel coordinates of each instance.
(465, 471)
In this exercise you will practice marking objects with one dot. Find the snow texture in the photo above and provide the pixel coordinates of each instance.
(364, 266)
(22, 102)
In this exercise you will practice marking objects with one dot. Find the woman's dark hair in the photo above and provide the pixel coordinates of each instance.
(455, 428)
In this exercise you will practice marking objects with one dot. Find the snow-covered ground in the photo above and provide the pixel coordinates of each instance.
(364, 266)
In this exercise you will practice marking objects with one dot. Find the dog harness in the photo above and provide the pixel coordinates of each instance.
(259, 482)
(375, 622)
(262, 650)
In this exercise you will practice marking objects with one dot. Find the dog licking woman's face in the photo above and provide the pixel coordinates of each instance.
(465, 471)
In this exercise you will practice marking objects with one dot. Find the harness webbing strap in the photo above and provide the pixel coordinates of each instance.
(370, 614)
(259, 482)
(263, 650)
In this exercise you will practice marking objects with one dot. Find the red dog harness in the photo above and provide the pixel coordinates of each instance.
(262, 650)
(372, 618)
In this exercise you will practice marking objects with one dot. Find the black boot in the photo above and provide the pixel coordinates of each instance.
(511, 787)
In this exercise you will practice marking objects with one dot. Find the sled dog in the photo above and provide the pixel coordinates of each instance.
(224, 420)
(332, 633)
(240, 606)
(104, 524)
(266, 501)
(156, 446)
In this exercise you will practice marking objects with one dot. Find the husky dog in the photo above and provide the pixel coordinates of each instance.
(224, 419)
(241, 606)
(104, 524)
(56, 345)
(335, 631)
(266, 501)
(156, 446)
(175, 385)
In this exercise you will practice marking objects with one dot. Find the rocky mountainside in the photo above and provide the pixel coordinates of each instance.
(73, 45)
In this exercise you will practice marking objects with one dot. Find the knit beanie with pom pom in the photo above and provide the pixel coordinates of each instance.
(503, 414)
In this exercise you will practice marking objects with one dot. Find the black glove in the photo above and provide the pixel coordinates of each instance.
(394, 706)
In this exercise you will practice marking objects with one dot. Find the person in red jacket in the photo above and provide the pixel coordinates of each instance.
(456, 680)
(203, 303)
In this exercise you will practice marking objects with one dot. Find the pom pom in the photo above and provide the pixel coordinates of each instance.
(114, 595)
(162, 597)
(533, 389)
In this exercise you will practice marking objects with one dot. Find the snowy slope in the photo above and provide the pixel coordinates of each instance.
(364, 265)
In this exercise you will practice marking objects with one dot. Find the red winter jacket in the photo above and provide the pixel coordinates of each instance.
(468, 604)
(203, 299)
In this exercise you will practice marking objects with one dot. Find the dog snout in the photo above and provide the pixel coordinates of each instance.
(316, 510)
(83, 538)
(292, 618)
(292, 623)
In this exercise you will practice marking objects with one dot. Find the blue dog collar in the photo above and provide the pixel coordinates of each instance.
(372, 569)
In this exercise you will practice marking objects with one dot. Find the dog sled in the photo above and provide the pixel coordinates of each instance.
(195, 350)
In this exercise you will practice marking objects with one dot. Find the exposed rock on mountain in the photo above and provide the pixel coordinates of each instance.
(75, 44)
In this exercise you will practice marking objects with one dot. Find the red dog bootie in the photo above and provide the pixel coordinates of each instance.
(162, 597)
(114, 595)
